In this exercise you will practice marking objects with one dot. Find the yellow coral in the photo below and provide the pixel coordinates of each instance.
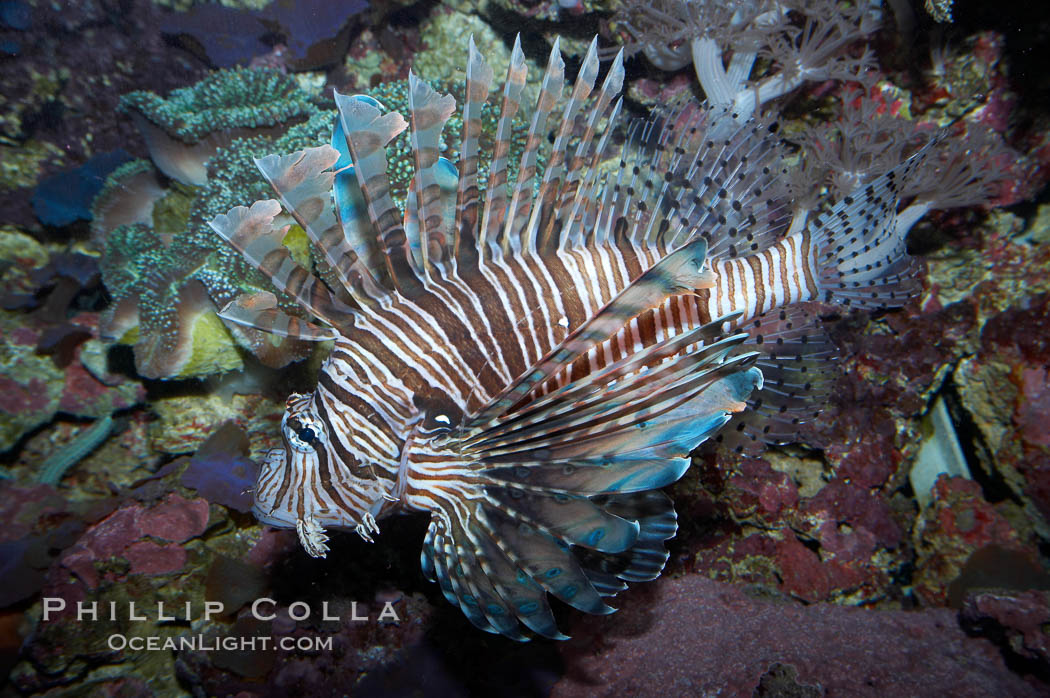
(213, 349)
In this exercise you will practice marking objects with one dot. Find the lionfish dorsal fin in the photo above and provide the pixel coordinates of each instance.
(252, 232)
(259, 310)
(681, 271)
(479, 81)
(368, 131)
(303, 181)
(577, 199)
(547, 207)
(350, 207)
(516, 233)
(428, 113)
(496, 190)
(695, 170)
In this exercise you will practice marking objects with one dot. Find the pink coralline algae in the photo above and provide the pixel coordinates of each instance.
(1020, 617)
(958, 522)
(703, 637)
(1020, 339)
(122, 534)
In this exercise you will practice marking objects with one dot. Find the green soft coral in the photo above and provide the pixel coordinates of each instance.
(225, 100)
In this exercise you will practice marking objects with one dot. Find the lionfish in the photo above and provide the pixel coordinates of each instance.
(530, 362)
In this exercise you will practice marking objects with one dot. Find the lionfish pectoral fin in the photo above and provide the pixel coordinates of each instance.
(259, 310)
(564, 500)
(682, 270)
(451, 556)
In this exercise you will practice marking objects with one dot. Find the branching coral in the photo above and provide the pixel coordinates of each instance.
(803, 41)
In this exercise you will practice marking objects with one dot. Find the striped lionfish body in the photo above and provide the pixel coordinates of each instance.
(532, 362)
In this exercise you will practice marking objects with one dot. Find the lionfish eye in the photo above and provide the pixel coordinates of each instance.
(303, 431)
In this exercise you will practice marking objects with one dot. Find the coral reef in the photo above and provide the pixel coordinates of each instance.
(185, 129)
(35, 389)
(63, 87)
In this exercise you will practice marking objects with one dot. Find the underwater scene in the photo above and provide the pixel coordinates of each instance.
(524, 348)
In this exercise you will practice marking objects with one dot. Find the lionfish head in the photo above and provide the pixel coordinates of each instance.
(305, 485)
